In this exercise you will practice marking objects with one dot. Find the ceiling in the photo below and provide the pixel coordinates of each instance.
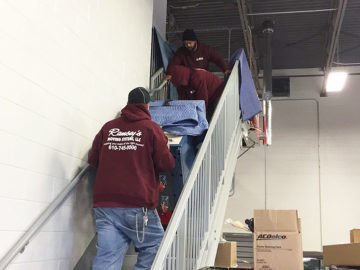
(302, 29)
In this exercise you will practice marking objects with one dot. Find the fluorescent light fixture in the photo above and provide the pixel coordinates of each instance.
(336, 81)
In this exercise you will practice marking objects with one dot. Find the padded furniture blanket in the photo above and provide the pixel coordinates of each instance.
(180, 117)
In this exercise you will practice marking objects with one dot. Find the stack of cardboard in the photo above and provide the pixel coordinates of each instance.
(345, 254)
(355, 236)
(277, 240)
(226, 255)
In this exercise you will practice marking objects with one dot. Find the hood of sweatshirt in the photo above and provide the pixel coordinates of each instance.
(135, 112)
(180, 75)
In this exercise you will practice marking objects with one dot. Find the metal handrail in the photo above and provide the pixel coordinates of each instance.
(24, 240)
(158, 74)
(159, 88)
(185, 239)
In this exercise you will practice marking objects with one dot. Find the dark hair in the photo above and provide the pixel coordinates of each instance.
(189, 34)
(139, 95)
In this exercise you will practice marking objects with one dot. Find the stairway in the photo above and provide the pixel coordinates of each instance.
(192, 236)
(191, 239)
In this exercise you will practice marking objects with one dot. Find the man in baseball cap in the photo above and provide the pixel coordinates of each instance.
(194, 54)
(129, 152)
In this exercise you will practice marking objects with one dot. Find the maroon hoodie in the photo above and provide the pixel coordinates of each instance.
(197, 84)
(129, 153)
(199, 58)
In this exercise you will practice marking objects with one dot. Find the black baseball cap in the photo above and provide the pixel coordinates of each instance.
(139, 95)
(189, 34)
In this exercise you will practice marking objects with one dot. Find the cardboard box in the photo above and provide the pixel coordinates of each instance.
(277, 240)
(346, 254)
(226, 255)
(355, 236)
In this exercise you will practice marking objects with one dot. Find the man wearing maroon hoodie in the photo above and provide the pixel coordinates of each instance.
(194, 54)
(129, 152)
(197, 84)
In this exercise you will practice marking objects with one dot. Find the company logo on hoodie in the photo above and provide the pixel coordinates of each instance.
(119, 140)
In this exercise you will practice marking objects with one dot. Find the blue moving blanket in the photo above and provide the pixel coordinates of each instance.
(181, 117)
(249, 101)
(167, 52)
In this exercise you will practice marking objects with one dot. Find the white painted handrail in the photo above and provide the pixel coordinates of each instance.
(158, 87)
(193, 232)
(21, 244)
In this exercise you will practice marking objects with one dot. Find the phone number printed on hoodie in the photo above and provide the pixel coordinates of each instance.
(123, 146)
(113, 146)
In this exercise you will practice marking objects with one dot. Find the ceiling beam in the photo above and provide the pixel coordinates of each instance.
(207, 30)
(291, 12)
(249, 42)
(332, 43)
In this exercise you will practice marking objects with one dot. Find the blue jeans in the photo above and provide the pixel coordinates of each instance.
(116, 228)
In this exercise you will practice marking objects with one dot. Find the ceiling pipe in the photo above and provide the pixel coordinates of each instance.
(332, 44)
(267, 30)
(248, 39)
(346, 64)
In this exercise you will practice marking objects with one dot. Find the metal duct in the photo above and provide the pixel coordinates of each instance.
(267, 30)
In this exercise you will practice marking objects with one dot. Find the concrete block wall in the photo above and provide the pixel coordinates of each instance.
(314, 170)
(66, 68)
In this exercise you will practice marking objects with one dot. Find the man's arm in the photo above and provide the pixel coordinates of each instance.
(218, 60)
(94, 153)
(176, 60)
(162, 158)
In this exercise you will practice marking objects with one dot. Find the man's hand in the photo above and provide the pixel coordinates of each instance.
(227, 72)
(167, 78)
(168, 145)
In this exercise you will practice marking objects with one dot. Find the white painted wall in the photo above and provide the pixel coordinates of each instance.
(159, 17)
(66, 67)
(314, 171)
